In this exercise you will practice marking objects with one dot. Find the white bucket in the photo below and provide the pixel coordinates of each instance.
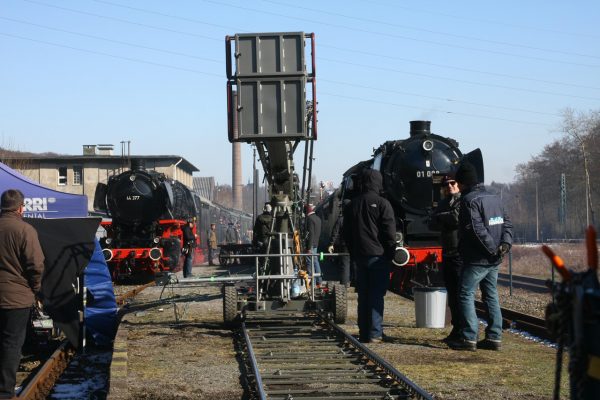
(430, 306)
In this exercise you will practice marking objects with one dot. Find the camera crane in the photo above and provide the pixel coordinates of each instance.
(267, 82)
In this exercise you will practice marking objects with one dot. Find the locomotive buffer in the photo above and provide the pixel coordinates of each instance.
(267, 81)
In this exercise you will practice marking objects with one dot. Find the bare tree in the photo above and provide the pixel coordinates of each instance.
(579, 125)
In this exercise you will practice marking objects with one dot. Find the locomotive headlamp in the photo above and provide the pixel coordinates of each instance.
(108, 241)
(155, 253)
(156, 240)
(108, 254)
(132, 178)
(401, 256)
(427, 145)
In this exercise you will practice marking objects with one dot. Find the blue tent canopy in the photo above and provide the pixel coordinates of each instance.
(42, 202)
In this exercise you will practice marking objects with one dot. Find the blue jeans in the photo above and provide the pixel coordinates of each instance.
(486, 277)
(316, 265)
(372, 281)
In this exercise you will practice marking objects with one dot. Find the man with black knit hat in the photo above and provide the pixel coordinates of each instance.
(485, 236)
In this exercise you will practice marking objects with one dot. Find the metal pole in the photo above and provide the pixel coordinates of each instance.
(553, 291)
(258, 293)
(510, 275)
(537, 214)
(587, 205)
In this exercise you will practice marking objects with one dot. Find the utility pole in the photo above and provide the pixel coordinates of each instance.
(562, 212)
(537, 214)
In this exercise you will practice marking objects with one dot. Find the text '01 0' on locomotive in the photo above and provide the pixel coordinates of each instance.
(147, 211)
(412, 171)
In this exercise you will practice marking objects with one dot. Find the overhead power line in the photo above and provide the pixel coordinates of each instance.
(393, 35)
(338, 61)
(211, 74)
(100, 53)
(449, 100)
(355, 51)
(528, 27)
(124, 21)
(396, 58)
(114, 41)
(421, 29)
(456, 80)
(145, 10)
(362, 99)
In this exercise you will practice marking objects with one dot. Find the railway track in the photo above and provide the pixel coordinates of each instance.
(298, 355)
(528, 283)
(44, 378)
(519, 321)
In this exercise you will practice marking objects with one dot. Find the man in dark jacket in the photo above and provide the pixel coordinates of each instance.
(21, 268)
(370, 234)
(262, 228)
(485, 236)
(211, 243)
(445, 217)
(232, 236)
(189, 243)
(313, 228)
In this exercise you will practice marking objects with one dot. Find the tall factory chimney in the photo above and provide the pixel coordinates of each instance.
(236, 164)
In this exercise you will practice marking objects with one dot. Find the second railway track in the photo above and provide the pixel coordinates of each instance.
(296, 355)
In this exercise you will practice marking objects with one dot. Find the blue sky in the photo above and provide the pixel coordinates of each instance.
(493, 75)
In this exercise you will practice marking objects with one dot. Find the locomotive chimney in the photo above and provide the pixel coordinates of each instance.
(138, 164)
(420, 127)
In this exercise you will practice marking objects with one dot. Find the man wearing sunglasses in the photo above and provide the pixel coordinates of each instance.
(485, 236)
(445, 218)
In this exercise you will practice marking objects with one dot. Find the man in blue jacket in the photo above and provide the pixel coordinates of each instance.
(370, 234)
(485, 236)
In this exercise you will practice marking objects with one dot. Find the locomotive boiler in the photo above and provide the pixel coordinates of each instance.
(147, 211)
(412, 171)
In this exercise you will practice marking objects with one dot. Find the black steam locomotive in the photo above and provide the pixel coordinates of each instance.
(147, 210)
(412, 171)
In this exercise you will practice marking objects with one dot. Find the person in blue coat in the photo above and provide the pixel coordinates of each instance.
(485, 236)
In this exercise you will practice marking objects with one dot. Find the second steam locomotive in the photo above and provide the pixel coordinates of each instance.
(148, 211)
(412, 171)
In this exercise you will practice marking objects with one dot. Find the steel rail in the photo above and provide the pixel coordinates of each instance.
(401, 378)
(132, 293)
(531, 284)
(254, 364)
(44, 379)
(303, 355)
(41, 383)
(517, 320)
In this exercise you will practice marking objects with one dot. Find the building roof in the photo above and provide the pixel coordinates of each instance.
(204, 186)
(184, 164)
